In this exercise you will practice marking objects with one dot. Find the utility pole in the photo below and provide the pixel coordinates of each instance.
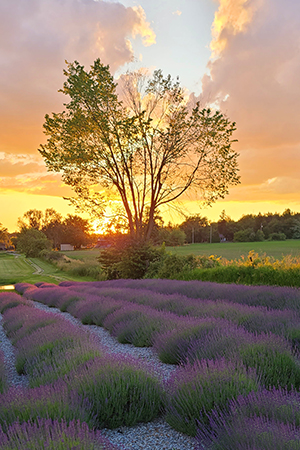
(193, 235)
(210, 234)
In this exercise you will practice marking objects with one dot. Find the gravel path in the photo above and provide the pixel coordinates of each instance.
(155, 435)
(13, 378)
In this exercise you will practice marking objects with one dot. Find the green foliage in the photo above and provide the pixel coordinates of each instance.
(130, 260)
(120, 394)
(196, 390)
(32, 242)
(50, 255)
(147, 150)
(170, 236)
(170, 266)
(196, 229)
(274, 367)
(277, 237)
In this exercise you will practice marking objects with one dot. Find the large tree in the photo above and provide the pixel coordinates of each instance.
(139, 152)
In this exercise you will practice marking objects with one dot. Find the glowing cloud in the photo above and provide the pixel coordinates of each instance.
(143, 28)
(232, 17)
(255, 80)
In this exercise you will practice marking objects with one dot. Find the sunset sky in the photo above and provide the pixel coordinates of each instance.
(242, 56)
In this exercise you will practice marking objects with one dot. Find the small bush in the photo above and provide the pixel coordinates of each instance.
(261, 420)
(195, 389)
(274, 365)
(130, 260)
(170, 265)
(54, 402)
(277, 237)
(119, 392)
(52, 435)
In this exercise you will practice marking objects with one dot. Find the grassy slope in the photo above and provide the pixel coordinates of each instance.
(17, 268)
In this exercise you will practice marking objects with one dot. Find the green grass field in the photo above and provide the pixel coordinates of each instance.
(234, 250)
(228, 250)
(16, 268)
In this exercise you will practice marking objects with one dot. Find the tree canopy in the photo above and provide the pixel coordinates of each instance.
(72, 229)
(136, 146)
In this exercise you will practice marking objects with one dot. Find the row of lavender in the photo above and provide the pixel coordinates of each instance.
(74, 386)
(222, 360)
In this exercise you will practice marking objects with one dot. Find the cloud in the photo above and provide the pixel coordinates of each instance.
(36, 37)
(177, 13)
(232, 17)
(143, 28)
(254, 78)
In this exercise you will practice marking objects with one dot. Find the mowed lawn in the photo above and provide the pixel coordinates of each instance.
(228, 250)
(16, 268)
(234, 250)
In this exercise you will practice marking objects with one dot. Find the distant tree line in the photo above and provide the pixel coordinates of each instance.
(249, 228)
(43, 231)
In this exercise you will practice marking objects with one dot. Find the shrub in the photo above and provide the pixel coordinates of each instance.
(244, 433)
(128, 261)
(170, 265)
(119, 392)
(246, 235)
(32, 242)
(172, 346)
(51, 256)
(273, 361)
(52, 435)
(195, 389)
(277, 237)
(260, 420)
(51, 402)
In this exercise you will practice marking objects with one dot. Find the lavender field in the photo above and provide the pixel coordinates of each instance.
(218, 364)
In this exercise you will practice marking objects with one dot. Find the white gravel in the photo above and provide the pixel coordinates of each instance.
(12, 376)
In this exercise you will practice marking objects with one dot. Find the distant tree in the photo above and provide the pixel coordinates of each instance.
(171, 236)
(146, 150)
(226, 226)
(296, 229)
(76, 231)
(31, 219)
(4, 236)
(72, 230)
(3, 233)
(196, 228)
(31, 242)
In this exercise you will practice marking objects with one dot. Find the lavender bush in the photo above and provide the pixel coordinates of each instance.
(260, 420)
(120, 391)
(47, 434)
(273, 360)
(270, 296)
(195, 389)
(172, 346)
(55, 401)
(48, 347)
(255, 433)
(9, 300)
(253, 318)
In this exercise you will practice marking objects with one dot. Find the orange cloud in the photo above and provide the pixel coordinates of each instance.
(255, 81)
(143, 28)
(231, 18)
(36, 37)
